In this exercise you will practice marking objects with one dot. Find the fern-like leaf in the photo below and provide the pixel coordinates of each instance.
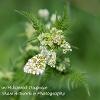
(38, 26)
(77, 79)
(64, 23)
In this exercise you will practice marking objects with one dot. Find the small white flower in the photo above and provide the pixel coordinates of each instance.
(53, 30)
(29, 30)
(50, 56)
(67, 62)
(51, 61)
(61, 68)
(54, 18)
(48, 25)
(35, 65)
(43, 13)
(57, 36)
(66, 47)
(44, 51)
(58, 39)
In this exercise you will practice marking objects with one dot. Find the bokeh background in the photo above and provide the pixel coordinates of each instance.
(85, 36)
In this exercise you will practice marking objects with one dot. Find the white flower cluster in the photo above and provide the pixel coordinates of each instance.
(55, 37)
(66, 47)
(36, 65)
(45, 39)
(51, 61)
(50, 56)
(49, 42)
(62, 67)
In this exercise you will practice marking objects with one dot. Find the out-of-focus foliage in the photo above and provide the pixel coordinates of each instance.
(85, 36)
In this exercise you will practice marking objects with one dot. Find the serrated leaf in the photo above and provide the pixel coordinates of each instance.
(77, 79)
(38, 26)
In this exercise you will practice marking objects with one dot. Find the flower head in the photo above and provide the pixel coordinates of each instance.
(66, 47)
(51, 61)
(35, 65)
(50, 56)
(45, 39)
(55, 37)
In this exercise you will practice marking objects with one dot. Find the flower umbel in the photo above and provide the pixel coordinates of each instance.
(50, 56)
(35, 65)
(46, 39)
(66, 47)
(51, 61)
(54, 38)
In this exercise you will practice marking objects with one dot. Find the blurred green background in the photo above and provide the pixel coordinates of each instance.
(85, 35)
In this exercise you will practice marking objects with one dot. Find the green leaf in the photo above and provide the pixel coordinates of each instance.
(64, 23)
(37, 24)
(77, 79)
